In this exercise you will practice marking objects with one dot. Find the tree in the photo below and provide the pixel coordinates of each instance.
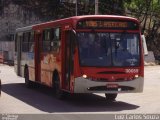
(147, 11)
(114, 7)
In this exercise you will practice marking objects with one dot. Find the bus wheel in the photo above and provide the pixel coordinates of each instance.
(111, 97)
(59, 93)
(26, 77)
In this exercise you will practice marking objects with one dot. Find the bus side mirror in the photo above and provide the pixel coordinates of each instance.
(144, 45)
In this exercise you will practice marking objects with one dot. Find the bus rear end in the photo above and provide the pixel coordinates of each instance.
(109, 56)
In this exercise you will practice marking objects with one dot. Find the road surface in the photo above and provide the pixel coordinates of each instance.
(17, 99)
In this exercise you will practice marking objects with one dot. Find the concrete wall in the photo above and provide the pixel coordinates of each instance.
(14, 16)
(150, 57)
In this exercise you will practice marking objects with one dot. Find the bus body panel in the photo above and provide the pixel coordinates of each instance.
(42, 65)
(83, 85)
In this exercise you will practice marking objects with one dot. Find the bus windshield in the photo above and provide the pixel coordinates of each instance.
(108, 49)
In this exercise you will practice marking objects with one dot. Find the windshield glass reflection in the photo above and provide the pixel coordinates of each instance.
(108, 49)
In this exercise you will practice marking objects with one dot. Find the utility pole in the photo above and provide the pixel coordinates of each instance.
(76, 8)
(96, 7)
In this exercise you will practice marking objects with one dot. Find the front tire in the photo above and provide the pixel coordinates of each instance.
(111, 97)
(26, 77)
(58, 92)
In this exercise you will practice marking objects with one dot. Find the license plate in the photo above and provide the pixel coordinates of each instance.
(112, 85)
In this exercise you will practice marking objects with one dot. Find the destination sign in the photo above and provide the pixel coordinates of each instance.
(107, 24)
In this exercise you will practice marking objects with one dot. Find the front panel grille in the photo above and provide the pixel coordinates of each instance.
(104, 88)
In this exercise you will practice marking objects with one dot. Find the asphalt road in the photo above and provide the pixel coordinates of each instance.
(17, 99)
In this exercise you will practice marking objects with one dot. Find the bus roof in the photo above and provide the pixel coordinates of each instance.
(28, 28)
(103, 16)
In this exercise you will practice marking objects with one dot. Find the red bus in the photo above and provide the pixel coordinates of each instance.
(82, 54)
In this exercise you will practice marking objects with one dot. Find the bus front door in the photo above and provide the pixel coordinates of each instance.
(38, 37)
(68, 61)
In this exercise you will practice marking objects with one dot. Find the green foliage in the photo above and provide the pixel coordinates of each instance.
(148, 13)
(115, 7)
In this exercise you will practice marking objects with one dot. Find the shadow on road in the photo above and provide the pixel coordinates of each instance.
(42, 99)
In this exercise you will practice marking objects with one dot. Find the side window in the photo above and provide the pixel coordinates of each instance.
(55, 43)
(31, 41)
(46, 42)
(51, 40)
(18, 41)
(25, 41)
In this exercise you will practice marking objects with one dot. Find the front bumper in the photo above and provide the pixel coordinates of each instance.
(83, 85)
